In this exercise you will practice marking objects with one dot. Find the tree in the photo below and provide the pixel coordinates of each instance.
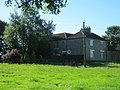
(52, 6)
(2, 27)
(10, 37)
(29, 33)
(2, 44)
(113, 37)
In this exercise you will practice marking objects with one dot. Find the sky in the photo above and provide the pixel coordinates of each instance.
(98, 14)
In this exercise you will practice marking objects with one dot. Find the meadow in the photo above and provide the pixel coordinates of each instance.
(53, 77)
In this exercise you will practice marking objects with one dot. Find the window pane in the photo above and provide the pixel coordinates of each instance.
(91, 42)
(91, 53)
(102, 53)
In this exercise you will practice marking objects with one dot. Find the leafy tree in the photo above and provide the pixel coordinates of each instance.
(38, 32)
(113, 37)
(2, 28)
(29, 33)
(52, 6)
(10, 37)
(3, 46)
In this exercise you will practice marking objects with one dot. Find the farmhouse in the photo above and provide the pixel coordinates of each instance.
(82, 45)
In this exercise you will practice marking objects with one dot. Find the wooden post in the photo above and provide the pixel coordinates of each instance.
(84, 45)
(84, 50)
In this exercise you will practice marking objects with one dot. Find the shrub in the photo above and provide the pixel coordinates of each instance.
(26, 58)
(22, 59)
(12, 56)
(40, 60)
(33, 57)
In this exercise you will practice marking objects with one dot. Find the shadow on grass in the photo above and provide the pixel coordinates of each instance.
(114, 66)
(97, 64)
(110, 64)
(104, 64)
(79, 64)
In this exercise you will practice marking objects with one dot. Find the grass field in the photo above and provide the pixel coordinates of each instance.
(49, 77)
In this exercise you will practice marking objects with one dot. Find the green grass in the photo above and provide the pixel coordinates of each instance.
(49, 77)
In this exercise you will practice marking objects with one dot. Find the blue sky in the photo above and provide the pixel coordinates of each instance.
(98, 14)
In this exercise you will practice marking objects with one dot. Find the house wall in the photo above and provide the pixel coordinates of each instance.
(76, 48)
(97, 48)
(68, 47)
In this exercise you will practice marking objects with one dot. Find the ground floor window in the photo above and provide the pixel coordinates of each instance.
(102, 54)
(92, 53)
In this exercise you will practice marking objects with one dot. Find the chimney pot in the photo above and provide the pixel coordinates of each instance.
(83, 25)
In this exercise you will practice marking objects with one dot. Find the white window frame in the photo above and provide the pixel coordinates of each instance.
(92, 53)
(91, 42)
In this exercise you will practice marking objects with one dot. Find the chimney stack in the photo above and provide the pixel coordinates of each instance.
(83, 25)
(86, 28)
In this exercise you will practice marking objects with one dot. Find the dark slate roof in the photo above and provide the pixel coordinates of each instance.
(88, 35)
(62, 35)
(77, 35)
(94, 36)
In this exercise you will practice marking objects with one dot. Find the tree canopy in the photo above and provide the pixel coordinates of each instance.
(52, 6)
(113, 37)
(29, 33)
(2, 29)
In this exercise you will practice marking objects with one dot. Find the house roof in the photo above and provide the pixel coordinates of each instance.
(81, 34)
(86, 31)
(62, 35)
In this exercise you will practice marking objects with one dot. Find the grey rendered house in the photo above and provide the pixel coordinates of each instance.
(83, 44)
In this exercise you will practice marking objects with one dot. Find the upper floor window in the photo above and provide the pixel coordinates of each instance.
(91, 42)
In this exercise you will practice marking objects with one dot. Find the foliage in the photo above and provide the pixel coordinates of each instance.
(3, 46)
(2, 27)
(12, 56)
(22, 59)
(113, 37)
(48, 77)
(33, 57)
(26, 58)
(10, 37)
(28, 33)
(2, 43)
(52, 6)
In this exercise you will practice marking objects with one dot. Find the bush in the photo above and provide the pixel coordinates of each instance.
(33, 57)
(22, 59)
(12, 56)
(26, 58)
(40, 59)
